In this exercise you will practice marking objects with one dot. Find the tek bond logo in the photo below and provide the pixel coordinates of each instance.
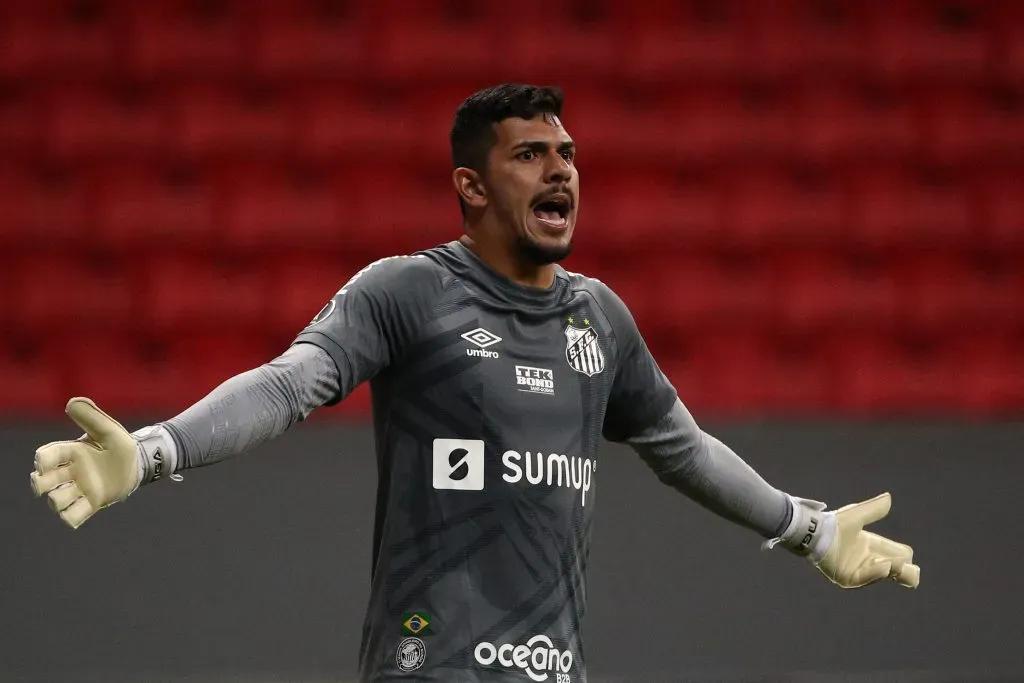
(535, 380)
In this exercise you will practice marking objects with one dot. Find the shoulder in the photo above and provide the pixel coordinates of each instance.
(607, 300)
(399, 274)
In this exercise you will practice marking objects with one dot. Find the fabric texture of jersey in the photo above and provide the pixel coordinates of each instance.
(489, 403)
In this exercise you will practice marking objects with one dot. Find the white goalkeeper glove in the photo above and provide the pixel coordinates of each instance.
(103, 467)
(836, 543)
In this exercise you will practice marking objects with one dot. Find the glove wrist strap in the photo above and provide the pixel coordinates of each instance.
(158, 454)
(810, 531)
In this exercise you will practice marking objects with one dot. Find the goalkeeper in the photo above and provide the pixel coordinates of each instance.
(495, 374)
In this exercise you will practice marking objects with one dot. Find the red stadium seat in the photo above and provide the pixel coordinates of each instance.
(21, 128)
(213, 357)
(135, 206)
(840, 123)
(579, 51)
(768, 207)
(649, 212)
(1001, 209)
(608, 122)
(893, 207)
(731, 375)
(211, 121)
(715, 125)
(338, 125)
(809, 206)
(790, 39)
(42, 206)
(683, 46)
(397, 212)
(88, 122)
(409, 48)
(696, 291)
(311, 39)
(818, 292)
(886, 376)
(1008, 42)
(57, 38)
(50, 291)
(159, 378)
(973, 126)
(300, 284)
(261, 207)
(32, 381)
(943, 293)
(990, 374)
(148, 383)
(913, 41)
(179, 37)
(189, 293)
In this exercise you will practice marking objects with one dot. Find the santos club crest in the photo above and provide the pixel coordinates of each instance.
(582, 350)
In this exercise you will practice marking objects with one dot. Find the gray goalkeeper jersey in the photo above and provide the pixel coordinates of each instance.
(489, 402)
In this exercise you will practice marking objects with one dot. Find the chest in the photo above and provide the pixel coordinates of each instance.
(521, 368)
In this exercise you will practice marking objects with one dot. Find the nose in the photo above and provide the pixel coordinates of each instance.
(558, 169)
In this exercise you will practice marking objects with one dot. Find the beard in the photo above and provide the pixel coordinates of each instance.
(539, 254)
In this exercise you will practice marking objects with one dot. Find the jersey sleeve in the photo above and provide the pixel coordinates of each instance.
(374, 318)
(641, 394)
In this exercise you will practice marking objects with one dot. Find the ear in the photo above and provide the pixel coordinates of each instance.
(470, 187)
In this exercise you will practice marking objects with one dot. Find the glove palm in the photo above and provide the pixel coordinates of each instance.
(83, 476)
(857, 558)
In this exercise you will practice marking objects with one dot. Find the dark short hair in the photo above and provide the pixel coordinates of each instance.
(473, 133)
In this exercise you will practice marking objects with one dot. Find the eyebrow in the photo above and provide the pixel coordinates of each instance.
(541, 146)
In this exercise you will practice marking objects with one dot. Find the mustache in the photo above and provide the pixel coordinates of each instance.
(551, 194)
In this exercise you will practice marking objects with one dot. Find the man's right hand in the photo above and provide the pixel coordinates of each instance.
(100, 468)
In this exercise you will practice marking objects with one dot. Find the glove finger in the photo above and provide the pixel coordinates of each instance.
(76, 513)
(63, 496)
(909, 576)
(94, 422)
(867, 512)
(46, 482)
(870, 572)
(53, 455)
(880, 545)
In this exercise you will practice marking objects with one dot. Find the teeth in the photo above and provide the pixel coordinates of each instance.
(551, 218)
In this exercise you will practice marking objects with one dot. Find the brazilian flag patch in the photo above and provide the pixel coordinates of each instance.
(416, 623)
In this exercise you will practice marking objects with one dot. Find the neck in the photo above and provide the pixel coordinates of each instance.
(503, 259)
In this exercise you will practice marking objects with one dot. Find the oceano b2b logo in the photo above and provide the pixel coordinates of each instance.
(538, 658)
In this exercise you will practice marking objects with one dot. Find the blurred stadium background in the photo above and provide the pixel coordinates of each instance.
(814, 208)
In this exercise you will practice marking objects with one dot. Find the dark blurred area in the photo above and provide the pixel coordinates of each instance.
(257, 570)
(814, 209)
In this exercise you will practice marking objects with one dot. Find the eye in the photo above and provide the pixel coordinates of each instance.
(568, 154)
(527, 155)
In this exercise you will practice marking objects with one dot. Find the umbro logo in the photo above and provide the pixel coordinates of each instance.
(482, 339)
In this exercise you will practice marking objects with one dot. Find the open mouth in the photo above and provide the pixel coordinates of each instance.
(554, 210)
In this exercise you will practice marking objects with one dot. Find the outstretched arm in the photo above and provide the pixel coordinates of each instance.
(361, 330)
(107, 464)
(249, 409)
(710, 473)
(645, 412)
